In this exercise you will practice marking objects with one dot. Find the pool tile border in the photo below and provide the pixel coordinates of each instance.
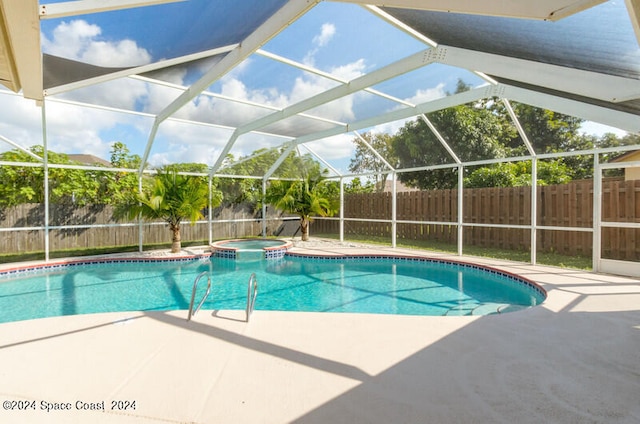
(65, 263)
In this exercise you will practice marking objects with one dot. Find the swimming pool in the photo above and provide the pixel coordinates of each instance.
(385, 285)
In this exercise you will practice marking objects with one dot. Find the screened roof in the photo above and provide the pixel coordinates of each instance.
(578, 57)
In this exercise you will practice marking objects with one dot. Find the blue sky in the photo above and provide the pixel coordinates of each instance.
(342, 39)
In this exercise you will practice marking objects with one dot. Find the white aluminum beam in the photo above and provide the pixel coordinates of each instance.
(248, 158)
(374, 151)
(540, 9)
(22, 149)
(393, 70)
(274, 25)
(233, 99)
(400, 67)
(324, 162)
(521, 131)
(292, 10)
(400, 25)
(327, 75)
(84, 7)
(584, 83)
(441, 139)
(406, 113)
(623, 120)
(279, 161)
(138, 70)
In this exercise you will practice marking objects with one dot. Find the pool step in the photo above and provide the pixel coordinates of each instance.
(483, 309)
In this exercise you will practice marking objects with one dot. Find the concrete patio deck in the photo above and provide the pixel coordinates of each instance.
(574, 359)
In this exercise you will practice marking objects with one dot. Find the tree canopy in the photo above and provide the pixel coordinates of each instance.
(366, 161)
(306, 197)
(172, 198)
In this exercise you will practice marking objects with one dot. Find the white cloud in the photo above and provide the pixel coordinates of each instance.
(121, 93)
(333, 148)
(78, 40)
(594, 128)
(428, 94)
(180, 153)
(327, 31)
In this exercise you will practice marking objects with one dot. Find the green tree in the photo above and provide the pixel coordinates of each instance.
(309, 196)
(548, 131)
(356, 186)
(244, 190)
(366, 161)
(472, 131)
(514, 174)
(171, 198)
(117, 187)
(25, 184)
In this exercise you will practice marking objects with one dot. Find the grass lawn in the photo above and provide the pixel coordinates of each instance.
(543, 258)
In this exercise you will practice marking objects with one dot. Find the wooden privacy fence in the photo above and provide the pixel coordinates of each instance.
(229, 222)
(427, 215)
(566, 205)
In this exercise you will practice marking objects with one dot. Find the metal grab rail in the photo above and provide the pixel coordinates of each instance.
(252, 293)
(193, 293)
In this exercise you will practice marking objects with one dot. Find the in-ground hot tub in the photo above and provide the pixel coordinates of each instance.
(250, 249)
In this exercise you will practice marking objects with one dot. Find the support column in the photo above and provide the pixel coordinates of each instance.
(597, 213)
(534, 210)
(46, 181)
(140, 226)
(394, 209)
(341, 209)
(264, 209)
(210, 214)
(460, 208)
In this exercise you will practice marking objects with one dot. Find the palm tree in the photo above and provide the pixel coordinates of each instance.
(172, 198)
(304, 198)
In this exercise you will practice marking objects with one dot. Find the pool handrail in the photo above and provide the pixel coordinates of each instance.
(193, 312)
(251, 295)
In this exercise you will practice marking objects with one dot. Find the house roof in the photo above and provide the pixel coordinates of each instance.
(89, 159)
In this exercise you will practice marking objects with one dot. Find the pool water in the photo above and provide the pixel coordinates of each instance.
(384, 286)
